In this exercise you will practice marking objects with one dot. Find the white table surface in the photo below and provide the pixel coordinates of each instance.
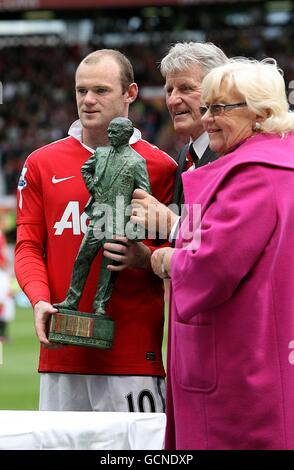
(66, 430)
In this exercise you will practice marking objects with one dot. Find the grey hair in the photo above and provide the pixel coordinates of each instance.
(184, 54)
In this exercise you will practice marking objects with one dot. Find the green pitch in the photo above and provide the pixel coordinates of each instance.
(19, 381)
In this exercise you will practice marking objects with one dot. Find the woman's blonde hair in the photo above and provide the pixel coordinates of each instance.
(262, 85)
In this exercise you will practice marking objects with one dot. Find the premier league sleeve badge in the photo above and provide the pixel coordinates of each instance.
(22, 183)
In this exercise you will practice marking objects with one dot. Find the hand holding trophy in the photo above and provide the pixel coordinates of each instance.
(111, 174)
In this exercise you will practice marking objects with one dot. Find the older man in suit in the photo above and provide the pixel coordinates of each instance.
(183, 68)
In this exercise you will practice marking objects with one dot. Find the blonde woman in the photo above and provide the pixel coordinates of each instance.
(230, 374)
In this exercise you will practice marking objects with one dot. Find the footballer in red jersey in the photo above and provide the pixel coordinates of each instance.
(50, 226)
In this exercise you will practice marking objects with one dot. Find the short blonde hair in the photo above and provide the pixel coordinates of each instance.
(262, 85)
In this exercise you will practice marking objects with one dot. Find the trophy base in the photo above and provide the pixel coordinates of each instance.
(81, 329)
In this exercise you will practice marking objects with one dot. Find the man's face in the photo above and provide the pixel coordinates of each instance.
(183, 100)
(117, 136)
(100, 96)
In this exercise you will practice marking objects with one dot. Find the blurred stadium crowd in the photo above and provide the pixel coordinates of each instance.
(38, 89)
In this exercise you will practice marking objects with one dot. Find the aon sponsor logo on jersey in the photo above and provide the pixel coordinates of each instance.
(72, 220)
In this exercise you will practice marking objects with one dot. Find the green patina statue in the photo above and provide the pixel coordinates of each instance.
(111, 174)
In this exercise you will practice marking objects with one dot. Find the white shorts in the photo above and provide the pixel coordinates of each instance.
(74, 392)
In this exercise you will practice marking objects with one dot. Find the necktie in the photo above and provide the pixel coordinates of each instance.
(191, 157)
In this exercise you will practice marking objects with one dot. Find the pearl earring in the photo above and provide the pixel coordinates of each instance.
(257, 127)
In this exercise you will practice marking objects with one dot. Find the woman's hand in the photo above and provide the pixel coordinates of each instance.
(161, 262)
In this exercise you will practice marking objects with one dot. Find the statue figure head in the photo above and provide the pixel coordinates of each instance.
(119, 131)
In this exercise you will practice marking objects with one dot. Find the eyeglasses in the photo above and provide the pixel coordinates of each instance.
(218, 109)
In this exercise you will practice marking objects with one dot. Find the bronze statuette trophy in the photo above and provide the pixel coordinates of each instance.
(111, 174)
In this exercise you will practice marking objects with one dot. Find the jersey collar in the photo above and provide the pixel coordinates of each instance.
(75, 131)
(201, 144)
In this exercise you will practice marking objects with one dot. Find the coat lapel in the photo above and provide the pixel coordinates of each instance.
(207, 157)
(178, 188)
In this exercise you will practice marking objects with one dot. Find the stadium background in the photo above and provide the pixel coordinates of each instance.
(42, 42)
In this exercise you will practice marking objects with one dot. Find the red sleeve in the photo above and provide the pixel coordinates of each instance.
(30, 266)
(30, 263)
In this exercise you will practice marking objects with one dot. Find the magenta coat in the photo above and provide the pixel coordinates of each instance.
(231, 328)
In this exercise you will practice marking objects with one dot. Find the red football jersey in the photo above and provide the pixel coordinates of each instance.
(51, 224)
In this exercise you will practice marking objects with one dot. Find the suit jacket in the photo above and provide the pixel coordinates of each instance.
(207, 157)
